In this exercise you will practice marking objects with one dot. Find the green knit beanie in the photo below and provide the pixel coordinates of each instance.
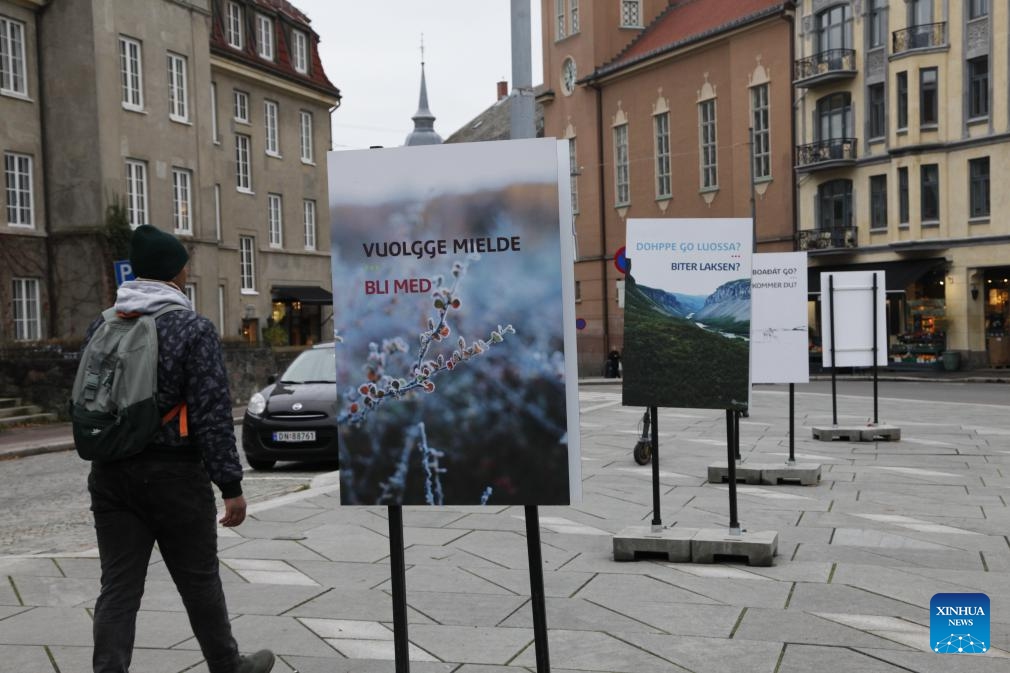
(155, 254)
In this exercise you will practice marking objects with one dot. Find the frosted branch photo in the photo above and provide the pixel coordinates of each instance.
(448, 304)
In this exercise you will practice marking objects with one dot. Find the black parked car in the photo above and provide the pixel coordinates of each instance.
(295, 417)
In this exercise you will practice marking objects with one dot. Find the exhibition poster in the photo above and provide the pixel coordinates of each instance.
(856, 308)
(780, 337)
(453, 309)
(687, 307)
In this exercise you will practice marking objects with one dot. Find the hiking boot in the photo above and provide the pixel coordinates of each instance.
(259, 662)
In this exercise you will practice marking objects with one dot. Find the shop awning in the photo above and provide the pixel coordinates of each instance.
(898, 274)
(306, 294)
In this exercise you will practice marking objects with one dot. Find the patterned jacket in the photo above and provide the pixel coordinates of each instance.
(191, 369)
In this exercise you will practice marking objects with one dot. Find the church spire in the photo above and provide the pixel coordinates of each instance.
(424, 121)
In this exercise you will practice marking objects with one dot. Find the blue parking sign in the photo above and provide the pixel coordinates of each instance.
(123, 270)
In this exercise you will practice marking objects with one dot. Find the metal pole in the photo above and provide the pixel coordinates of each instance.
(537, 595)
(736, 436)
(657, 520)
(523, 124)
(792, 424)
(834, 361)
(398, 575)
(875, 346)
(734, 525)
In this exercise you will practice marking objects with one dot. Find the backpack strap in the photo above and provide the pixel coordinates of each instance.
(180, 411)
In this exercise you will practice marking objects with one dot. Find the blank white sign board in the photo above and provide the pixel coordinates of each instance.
(853, 304)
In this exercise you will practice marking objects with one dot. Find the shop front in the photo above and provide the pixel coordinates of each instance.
(298, 316)
(917, 320)
(995, 291)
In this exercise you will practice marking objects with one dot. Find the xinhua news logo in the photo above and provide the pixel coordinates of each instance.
(959, 623)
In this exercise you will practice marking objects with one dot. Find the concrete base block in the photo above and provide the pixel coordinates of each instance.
(857, 433)
(748, 474)
(806, 474)
(711, 544)
(633, 541)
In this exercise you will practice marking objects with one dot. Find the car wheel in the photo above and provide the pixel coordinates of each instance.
(257, 464)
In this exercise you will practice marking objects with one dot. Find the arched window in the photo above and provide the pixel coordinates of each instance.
(834, 28)
(834, 117)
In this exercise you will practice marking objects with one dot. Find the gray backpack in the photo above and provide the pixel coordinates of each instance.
(113, 404)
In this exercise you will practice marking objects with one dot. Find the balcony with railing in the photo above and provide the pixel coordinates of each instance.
(830, 153)
(925, 36)
(827, 66)
(835, 238)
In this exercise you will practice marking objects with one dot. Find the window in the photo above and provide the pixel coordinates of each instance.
(631, 13)
(978, 179)
(661, 126)
(136, 193)
(243, 171)
(20, 198)
(762, 132)
(300, 53)
(622, 185)
(178, 94)
(834, 201)
(574, 15)
(265, 37)
(877, 24)
(878, 202)
(902, 86)
(560, 32)
(707, 139)
(241, 105)
(25, 305)
(876, 111)
(12, 57)
(920, 12)
(275, 220)
(233, 25)
(182, 200)
(247, 264)
(929, 202)
(190, 291)
(978, 8)
(309, 221)
(220, 309)
(217, 213)
(834, 115)
(834, 28)
(903, 196)
(131, 75)
(978, 87)
(305, 136)
(270, 126)
(213, 114)
(573, 169)
(929, 104)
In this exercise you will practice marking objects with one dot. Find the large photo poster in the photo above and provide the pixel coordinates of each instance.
(687, 307)
(453, 293)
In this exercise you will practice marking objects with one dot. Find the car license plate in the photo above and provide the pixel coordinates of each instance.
(295, 436)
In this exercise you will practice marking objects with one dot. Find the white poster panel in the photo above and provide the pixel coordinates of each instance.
(687, 313)
(853, 304)
(453, 294)
(778, 324)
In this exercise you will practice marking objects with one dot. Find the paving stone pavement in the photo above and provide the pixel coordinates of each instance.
(860, 555)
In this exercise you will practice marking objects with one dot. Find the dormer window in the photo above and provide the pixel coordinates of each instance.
(233, 25)
(300, 51)
(265, 37)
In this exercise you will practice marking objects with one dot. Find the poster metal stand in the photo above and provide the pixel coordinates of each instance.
(657, 520)
(398, 577)
(537, 595)
(732, 451)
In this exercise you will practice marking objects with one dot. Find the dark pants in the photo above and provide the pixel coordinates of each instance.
(137, 503)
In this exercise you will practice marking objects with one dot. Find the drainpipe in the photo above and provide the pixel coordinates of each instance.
(603, 216)
(790, 16)
(51, 292)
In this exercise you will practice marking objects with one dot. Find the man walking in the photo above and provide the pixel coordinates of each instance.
(163, 493)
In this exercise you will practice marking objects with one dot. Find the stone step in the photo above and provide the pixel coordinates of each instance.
(29, 419)
(9, 402)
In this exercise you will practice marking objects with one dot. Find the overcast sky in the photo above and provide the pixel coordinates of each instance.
(371, 52)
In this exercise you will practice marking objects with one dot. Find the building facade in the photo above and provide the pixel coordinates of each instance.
(903, 114)
(658, 99)
(208, 119)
